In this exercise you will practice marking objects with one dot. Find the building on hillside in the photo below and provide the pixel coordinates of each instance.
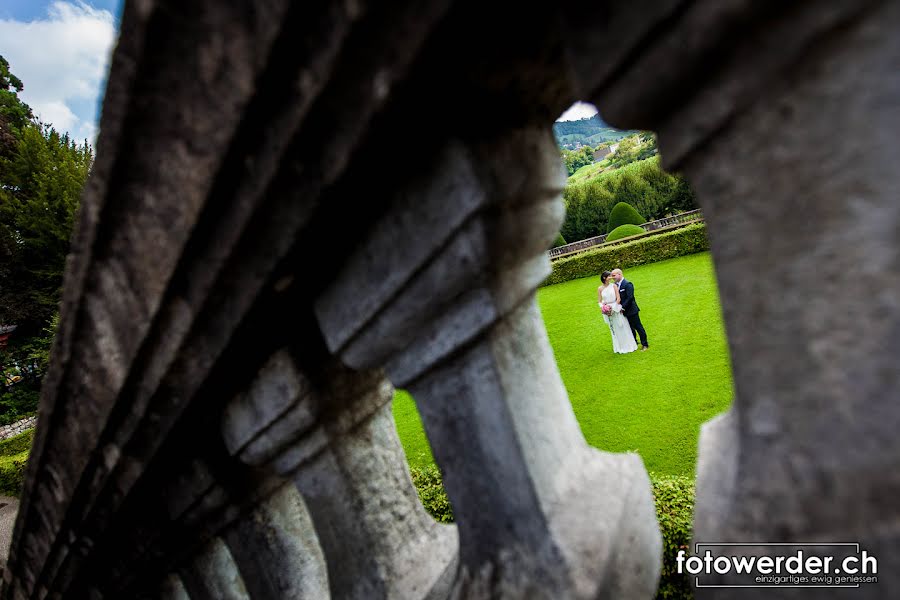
(601, 153)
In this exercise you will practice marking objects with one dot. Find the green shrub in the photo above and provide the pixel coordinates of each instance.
(642, 251)
(591, 194)
(674, 497)
(431, 492)
(17, 444)
(12, 473)
(19, 402)
(560, 241)
(624, 231)
(623, 214)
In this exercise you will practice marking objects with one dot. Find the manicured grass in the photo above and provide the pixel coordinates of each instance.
(651, 402)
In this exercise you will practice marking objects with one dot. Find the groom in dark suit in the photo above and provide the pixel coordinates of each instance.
(630, 307)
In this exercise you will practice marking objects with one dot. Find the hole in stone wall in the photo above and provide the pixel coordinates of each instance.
(653, 401)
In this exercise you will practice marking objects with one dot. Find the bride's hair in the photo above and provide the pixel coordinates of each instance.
(604, 276)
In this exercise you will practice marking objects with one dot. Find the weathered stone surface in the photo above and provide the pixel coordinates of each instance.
(808, 273)
(14, 429)
(352, 473)
(277, 552)
(173, 589)
(462, 331)
(248, 225)
(214, 576)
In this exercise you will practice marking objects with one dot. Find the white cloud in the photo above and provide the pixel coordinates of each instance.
(62, 59)
(579, 110)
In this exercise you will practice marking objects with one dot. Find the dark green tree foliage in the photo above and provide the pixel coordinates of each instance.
(642, 184)
(42, 174)
(623, 214)
(587, 127)
(575, 159)
(15, 115)
(634, 148)
(624, 231)
(40, 188)
(560, 241)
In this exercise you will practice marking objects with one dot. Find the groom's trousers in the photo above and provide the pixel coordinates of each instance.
(637, 328)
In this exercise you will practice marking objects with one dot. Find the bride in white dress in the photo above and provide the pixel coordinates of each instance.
(608, 295)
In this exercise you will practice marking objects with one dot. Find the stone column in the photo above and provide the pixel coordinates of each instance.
(337, 442)
(213, 575)
(801, 194)
(452, 316)
(173, 589)
(277, 552)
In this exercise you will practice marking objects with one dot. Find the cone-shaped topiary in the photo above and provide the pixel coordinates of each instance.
(623, 214)
(623, 231)
(560, 241)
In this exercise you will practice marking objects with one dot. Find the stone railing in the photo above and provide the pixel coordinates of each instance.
(20, 426)
(215, 422)
(599, 240)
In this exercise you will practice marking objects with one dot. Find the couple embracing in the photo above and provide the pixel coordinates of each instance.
(620, 311)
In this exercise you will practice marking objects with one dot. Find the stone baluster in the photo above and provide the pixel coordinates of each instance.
(276, 550)
(450, 313)
(338, 444)
(172, 588)
(804, 234)
(213, 575)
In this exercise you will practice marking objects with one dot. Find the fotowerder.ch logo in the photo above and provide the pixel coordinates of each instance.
(796, 565)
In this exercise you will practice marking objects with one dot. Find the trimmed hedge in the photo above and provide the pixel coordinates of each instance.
(560, 241)
(674, 497)
(13, 458)
(12, 473)
(624, 231)
(17, 443)
(623, 214)
(653, 248)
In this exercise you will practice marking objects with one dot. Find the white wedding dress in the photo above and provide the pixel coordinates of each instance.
(622, 336)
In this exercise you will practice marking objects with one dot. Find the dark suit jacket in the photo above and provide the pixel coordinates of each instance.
(626, 293)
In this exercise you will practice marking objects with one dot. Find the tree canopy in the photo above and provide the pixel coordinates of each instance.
(653, 192)
(42, 173)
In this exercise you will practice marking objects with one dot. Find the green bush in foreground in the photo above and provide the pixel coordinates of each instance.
(17, 444)
(624, 231)
(623, 214)
(12, 473)
(431, 492)
(13, 458)
(642, 251)
(674, 497)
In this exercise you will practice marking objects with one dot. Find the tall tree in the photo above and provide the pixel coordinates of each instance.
(41, 177)
(39, 196)
(15, 115)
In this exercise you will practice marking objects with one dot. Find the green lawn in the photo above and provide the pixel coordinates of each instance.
(652, 402)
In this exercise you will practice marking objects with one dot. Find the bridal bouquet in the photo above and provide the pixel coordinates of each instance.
(607, 310)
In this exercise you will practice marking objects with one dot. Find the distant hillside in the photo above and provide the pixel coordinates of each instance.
(585, 132)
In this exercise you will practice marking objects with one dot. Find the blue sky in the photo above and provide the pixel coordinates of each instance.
(28, 10)
(60, 50)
